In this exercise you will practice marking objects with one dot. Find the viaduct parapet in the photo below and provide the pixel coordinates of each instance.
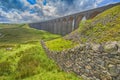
(67, 24)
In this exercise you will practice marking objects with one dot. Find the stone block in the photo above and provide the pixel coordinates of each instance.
(97, 48)
(111, 47)
(112, 70)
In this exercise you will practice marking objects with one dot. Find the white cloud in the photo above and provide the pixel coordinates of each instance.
(99, 1)
(54, 8)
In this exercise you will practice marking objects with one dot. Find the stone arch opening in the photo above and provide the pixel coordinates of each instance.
(93, 14)
(71, 18)
(73, 24)
(64, 19)
(84, 18)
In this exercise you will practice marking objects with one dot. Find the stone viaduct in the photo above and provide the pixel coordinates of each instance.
(67, 24)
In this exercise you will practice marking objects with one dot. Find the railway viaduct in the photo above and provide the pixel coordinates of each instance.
(67, 24)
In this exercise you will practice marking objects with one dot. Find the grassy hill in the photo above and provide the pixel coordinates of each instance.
(23, 58)
(102, 28)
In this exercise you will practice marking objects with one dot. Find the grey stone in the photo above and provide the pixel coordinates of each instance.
(88, 46)
(115, 52)
(118, 69)
(119, 51)
(100, 62)
(97, 47)
(81, 47)
(111, 47)
(88, 60)
(87, 71)
(68, 64)
(84, 77)
(97, 79)
(112, 69)
(118, 66)
(118, 78)
(88, 67)
(118, 43)
(76, 69)
(106, 75)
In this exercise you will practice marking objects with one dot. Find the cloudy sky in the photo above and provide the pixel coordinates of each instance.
(23, 11)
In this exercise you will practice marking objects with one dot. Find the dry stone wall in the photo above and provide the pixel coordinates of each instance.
(91, 61)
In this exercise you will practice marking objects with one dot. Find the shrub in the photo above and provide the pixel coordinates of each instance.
(5, 68)
(27, 66)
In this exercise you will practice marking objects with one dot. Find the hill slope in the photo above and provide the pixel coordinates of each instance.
(22, 34)
(102, 28)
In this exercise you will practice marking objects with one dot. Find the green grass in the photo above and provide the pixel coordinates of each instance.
(31, 63)
(10, 25)
(23, 58)
(22, 34)
(60, 44)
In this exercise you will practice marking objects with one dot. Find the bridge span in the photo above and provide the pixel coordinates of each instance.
(67, 24)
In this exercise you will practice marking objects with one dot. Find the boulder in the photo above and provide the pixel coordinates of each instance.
(111, 47)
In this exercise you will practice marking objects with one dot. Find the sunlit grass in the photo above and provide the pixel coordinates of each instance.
(32, 63)
(60, 44)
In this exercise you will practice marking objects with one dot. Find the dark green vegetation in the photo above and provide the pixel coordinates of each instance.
(104, 27)
(23, 58)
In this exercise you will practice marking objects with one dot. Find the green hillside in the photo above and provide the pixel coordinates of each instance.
(102, 28)
(23, 58)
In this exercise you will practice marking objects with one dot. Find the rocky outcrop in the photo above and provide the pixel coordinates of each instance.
(91, 61)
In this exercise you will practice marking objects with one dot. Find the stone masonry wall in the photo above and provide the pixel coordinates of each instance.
(91, 61)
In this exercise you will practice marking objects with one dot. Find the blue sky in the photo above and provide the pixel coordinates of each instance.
(104, 2)
(40, 10)
(32, 2)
